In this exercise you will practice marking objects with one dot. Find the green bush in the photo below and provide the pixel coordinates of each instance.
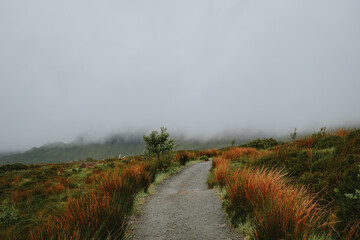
(13, 167)
(329, 141)
(109, 165)
(204, 158)
(298, 162)
(159, 145)
(321, 161)
(262, 143)
(295, 162)
(8, 214)
(348, 198)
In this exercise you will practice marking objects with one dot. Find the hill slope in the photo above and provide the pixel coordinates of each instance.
(112, 147)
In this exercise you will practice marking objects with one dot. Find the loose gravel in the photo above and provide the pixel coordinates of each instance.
(183, 207)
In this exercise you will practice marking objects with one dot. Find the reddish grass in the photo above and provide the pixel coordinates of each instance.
(192, 155)
(343, 132)
(354, 231)
(129, 179)
(20, 196)
(263, 153)
(139, 175)
(63, 181)
(90, 179)
(16, 179)
(221, 170)
(305, 143)
(102, 212)
(40, 234)
(178, 155)
(137, 158)
(236, 153)
(51, 189)
(111, 183)
(84, 211)
(58, 188)
(277, 208)
(60, 170)
(209, 152)
(281, 152)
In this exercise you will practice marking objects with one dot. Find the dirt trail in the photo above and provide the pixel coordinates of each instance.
(184, 208)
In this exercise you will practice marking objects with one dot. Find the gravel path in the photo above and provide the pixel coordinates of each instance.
(184, 208)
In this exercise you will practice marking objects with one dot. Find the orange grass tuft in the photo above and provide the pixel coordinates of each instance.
(343, 132)
(279, 208)
(100, 214)
(305, 143)
(221, 170)
(20, 196)
(58, 188)
(209, 152)
(236, 153)
(354, 231)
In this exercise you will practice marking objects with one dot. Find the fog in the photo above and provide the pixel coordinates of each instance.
(200, 68)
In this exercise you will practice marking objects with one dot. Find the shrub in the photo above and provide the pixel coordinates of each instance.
(204, 158)
(328, 141)
(321, 161)
(159, 145)
(293, 135)
(8, 214)
(348, 198)
(182, 157)
(262, 143)
(109, 165)
(13, 167)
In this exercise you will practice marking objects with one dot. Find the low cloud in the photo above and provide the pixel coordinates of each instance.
(201, 68)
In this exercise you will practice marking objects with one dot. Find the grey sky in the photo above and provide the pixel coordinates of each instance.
(201, 67)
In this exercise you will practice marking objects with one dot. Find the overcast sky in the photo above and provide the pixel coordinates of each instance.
(70, 68)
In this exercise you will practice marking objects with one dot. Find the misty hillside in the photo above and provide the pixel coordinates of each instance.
(3, 154)
(111, 147)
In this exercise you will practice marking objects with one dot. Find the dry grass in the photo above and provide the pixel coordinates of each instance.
(209, 152)
(20, 196)
(99, 214)
(277, 209)
(221, 170)
(305, 142)
(343, 132)
(354, 231)
(236, 153)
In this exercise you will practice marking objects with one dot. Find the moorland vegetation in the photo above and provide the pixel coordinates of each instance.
(306, 188)
(91, 199)
(301, 189)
